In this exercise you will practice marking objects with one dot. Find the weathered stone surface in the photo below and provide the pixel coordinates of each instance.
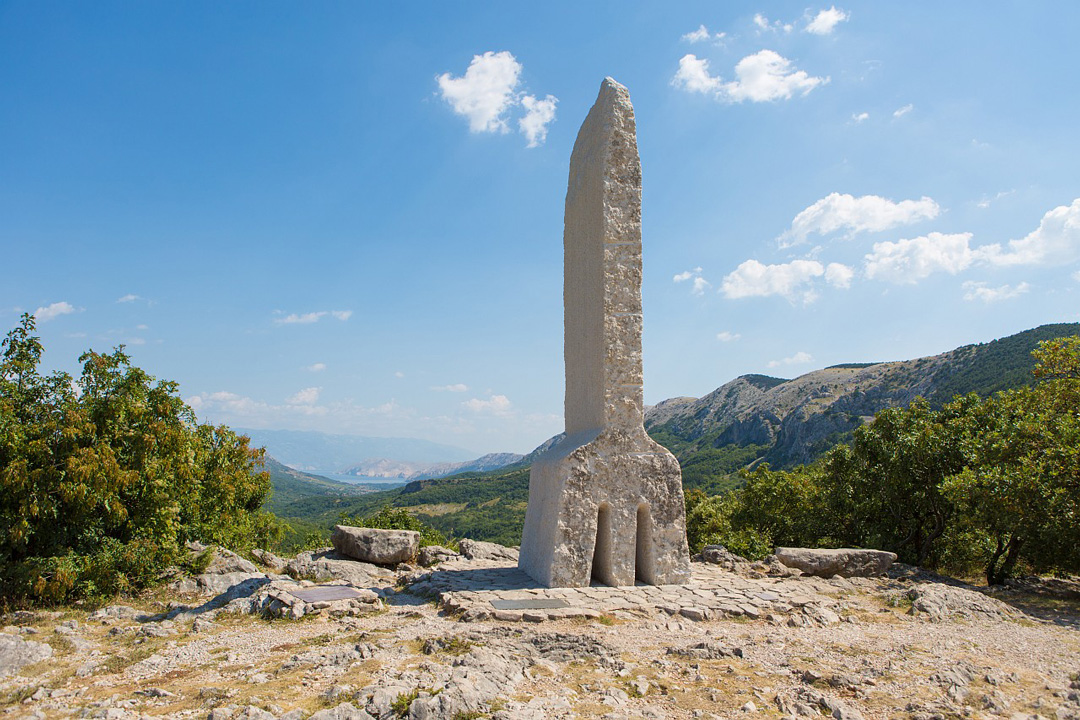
(432, 554)
(605, 501)
(224, 562)
(478, 550)
(16, 653)
(328, 564)
(845, 562)
(383, 547)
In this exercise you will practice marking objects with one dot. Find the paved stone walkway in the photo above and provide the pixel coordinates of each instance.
(499, 590)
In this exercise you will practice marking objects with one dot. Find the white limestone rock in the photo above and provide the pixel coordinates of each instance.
(382, 547)
(845, 562)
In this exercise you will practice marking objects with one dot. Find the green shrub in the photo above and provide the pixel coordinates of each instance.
(392, 518)
(104, 478)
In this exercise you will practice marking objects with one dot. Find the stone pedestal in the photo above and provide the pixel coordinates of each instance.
(606, 502)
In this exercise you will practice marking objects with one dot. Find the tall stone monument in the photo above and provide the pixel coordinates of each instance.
(606, 502)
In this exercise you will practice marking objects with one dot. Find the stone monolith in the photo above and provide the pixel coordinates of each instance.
(605, 502)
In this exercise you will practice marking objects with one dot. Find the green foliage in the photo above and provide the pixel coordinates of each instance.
(391, 518)
(982, 481)
(102, 479)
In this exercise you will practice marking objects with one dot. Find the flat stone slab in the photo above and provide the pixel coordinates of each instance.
(327, 593)
(482, 590)
(530, 604)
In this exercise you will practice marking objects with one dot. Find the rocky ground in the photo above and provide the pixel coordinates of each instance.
(324, 637)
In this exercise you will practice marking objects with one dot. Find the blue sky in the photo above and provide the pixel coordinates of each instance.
(347, 217)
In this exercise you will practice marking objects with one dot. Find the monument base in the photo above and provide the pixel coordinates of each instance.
(606, 506)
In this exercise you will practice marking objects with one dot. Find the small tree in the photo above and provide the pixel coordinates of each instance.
(102, 479)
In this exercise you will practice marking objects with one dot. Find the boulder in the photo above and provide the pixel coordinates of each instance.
(478, 550)
(845, 562)
(433, 554)
(226, 562)
(16, 653)
(383, 547)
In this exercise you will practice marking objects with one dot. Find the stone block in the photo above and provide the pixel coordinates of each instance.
(382, 547)
(845, 562)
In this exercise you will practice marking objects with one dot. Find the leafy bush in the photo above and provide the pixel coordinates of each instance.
(103, 478)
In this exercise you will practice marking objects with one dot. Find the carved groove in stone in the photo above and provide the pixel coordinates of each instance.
(606, 501)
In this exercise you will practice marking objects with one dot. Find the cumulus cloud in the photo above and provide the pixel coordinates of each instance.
(312, 317)
(788, 280)
(488, 91)
(860, 117)
(495, 405)
(910, 260)
(727, 336)
(698, 284)
(55, 310)
(130, 297)
(1056, 240)
(702, 35)
(901, 112)
(456, 387)
(764, 76)
(980, 291)
(538, 115)
(316, 367)
(839, 275)
(826, 21)
(867, 213)
(307, 396)
(799, 358)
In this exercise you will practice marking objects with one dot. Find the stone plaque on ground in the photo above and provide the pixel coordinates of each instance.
(327, 593)
(606, 501)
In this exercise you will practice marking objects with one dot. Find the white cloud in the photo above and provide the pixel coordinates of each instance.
(762, 77)
(485, 92)
(456, 387)
(860, 117)
(142, 327)
(307, 396)
(699, 284)
(55, 310)
(488, 92)
(910, 260)
(799, 358)
(727, 336)
(495, 405)
(985, 202)
(754, 279)
(867, 213)
(399, 374)
(538, 115)
(826, 21)
(699, 35)
(312, 317)
(128, 298)
(693, 75)
(839, 275)
(1076, 276)
(980, 291)
(317, 367)
(766, 76)
(1056, 240)
(764, 25)
(901, 112)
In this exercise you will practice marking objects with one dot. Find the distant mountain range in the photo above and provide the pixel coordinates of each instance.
(752, 419)
(403, 470)
(323, 453)
(757, 418)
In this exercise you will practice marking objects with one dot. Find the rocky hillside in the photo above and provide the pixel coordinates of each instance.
(323, 637)
(403, 470)
(788, 422)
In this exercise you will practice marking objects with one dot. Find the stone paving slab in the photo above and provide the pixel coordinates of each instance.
(499, 590)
